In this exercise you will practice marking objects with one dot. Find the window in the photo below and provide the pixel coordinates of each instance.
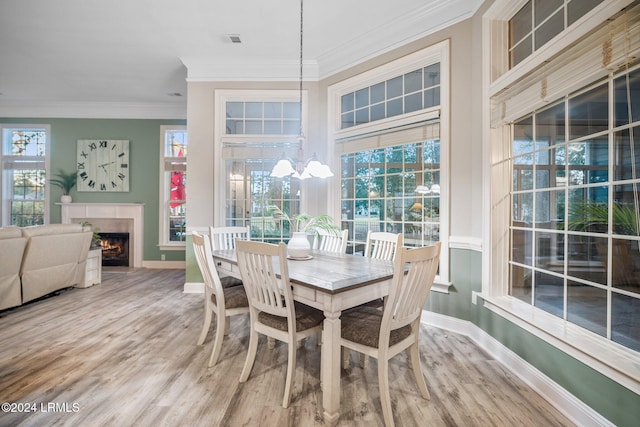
(576, 216)
(394, 189)
(538, 21)
(413, 91)
(393, 151)
(250, 192)
(259, 127)
(562, 134)
(24, 173)
(173, 170)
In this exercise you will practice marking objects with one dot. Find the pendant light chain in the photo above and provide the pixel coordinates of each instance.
(300, 93)
(299, 168)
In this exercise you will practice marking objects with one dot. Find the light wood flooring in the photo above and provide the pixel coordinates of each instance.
(124, 353)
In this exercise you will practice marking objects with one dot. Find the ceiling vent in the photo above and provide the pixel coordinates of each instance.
(234, 38)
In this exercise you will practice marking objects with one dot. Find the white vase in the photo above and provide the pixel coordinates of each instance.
(65, 198)
(298, 246)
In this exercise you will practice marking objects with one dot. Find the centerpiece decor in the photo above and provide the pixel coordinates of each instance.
(300, 226)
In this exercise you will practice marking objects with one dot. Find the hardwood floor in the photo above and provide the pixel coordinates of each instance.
(124, 353)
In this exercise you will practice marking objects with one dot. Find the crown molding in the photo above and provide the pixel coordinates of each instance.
(102, 110)
(202, 70)
(430, 18)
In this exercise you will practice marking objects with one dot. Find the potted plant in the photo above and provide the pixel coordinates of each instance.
(301, 224)
(96, 241)
(66, 181)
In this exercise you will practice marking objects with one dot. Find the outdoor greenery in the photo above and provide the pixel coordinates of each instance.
(304, 222)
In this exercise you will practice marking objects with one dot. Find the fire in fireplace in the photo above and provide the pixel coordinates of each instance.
(115, 249)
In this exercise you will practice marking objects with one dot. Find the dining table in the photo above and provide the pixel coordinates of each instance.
(331, 283)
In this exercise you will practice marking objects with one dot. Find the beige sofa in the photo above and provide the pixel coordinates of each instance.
(12, 246)
(35, 261)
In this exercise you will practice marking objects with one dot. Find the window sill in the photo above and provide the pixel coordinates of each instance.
(177, 247)
(441, 286)
(618, 363)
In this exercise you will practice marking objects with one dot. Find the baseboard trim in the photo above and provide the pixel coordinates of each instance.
(193, 288)
(167, 265)
(569, 405)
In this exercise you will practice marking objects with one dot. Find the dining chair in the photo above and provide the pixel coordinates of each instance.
(328, 241)
(223, 301)
(384, 334)
(223, 238)
(382, 244)
(379, 245)
(272, 310)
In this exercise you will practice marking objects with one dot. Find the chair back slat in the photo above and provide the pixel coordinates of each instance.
(382, 245)
(331, 242)
(257, 262)
(202, 250)
(410, 287)
(224, 237)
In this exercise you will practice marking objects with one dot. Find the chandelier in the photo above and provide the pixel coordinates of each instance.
(312, 168)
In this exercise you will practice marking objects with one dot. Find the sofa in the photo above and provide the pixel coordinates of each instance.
(38, 260)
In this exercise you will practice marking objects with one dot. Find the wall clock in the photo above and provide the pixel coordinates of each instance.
(103, 165)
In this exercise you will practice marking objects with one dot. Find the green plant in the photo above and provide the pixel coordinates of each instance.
(304, 222)
(590, 216)
(66, 181)
(96, 241)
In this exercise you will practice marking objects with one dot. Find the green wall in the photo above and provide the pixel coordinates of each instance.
(144, 145)
(613, 401)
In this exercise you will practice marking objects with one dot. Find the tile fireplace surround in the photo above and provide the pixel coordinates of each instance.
(111, 217)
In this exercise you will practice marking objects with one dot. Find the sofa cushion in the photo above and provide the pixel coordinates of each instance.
(42, 230)
(10, 232)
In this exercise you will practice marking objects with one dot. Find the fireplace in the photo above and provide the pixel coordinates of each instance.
(115, 249)
(112, 218)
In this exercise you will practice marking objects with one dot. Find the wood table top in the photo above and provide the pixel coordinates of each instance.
(329, 272)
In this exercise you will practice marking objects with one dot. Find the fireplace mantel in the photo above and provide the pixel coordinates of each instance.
(76, 212)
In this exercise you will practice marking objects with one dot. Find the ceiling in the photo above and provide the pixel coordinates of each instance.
(76, 56)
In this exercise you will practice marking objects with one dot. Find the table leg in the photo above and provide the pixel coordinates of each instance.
(331, 367)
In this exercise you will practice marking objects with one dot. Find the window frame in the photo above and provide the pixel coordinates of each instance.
(609, 358)
(5, 209)
(438, 52)
(164, 242)
(221, 138)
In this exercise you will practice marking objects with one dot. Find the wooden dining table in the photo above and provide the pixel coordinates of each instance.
(332, 283)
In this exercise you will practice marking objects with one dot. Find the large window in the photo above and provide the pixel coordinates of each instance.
(563, 246)
(391, 128)
(173, 170)
(259, 127)
(23, 160)
(576, 215)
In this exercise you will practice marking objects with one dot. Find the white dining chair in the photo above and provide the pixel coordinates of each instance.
(223, 238)
(330, 241)
(384, 334)
(219, 300)
(379, 245)
(382, 244)
(272, 310)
